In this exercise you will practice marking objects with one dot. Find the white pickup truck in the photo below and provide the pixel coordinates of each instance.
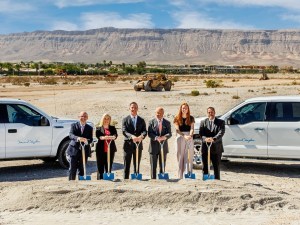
(28, 132)
(263, 127)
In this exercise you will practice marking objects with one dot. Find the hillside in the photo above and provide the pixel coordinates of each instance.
(174, 46)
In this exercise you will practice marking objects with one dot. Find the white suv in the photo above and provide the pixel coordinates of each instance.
(263, 127)
(28, 132)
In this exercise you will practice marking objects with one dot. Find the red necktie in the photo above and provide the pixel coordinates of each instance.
(160, 126)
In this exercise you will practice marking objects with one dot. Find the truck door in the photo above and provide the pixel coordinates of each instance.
(284, 130)
(2, 131)
(28, 133)
(246, 135)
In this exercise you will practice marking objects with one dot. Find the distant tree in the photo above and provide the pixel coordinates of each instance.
(18, 68)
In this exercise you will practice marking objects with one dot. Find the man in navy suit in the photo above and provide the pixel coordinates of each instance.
(159, 130)
(134, 131)
(80, 132)
(212, 130)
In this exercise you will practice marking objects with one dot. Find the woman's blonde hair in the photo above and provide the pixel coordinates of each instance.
(100, 124)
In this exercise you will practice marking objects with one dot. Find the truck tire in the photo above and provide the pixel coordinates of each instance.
(62, 158)
(136, 88)
(168, 85)
(147, 85)
(49, 159)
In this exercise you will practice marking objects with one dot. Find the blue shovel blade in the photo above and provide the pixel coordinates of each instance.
(136, 176)
(163, 176)
(85, 177)
(208, 177)
(189, 176)
(108, 176)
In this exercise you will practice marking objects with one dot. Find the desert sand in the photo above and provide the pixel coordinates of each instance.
(250, 191)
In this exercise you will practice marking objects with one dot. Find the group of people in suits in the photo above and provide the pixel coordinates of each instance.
(134, 131)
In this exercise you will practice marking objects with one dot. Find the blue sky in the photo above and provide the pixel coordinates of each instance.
(31, 15)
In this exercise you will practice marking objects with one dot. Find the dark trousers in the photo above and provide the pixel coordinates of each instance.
(215, 159)
(102, 162)
(153, 163)
(127, 161)
(76, 165)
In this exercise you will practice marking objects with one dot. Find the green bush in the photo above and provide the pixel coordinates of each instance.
(195, 93)
(235, 97)
(213, 83)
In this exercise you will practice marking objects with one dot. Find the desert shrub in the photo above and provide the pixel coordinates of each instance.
(235, 97)
(235, 80)
(48, 81)
(65, 83)
(294, 82)
(114, 123)
(250, 90)
(194, 93)
(271, 92)
(174, 79)
(110, 80)
(26, 84)
(213, 83)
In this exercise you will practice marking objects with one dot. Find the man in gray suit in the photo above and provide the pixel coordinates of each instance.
(212, 130)
(159, 130)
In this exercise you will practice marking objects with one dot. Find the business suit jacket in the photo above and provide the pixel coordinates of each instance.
(153, 132)
(128, 130)
(217, 134)
(75, 132)
(100, 143)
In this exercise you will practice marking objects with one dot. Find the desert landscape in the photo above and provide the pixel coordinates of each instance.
(250, 191)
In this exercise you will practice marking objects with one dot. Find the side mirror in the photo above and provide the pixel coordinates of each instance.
(44, 121)
(228, 121)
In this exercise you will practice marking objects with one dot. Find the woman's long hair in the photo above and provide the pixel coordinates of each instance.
(178, 118)
(100, 124)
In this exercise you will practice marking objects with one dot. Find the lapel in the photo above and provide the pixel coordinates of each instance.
(207, 123)
(78, 128)
(102, 130)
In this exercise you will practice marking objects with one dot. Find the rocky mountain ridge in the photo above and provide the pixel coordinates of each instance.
(164, 46)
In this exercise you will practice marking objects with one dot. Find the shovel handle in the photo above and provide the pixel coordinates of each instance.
(208, 155)
(83, 158)
(108, 142)
(137, 144)
(162, 156)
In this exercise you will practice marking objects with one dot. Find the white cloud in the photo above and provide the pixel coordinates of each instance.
(287, 4)
(197, 20)
(66, 3)
(291, 17)
(64, 25)
(9, 6)
(111, 19)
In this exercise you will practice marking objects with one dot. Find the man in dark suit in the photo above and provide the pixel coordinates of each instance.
(134, 131)
(80, 132)
(212, 130)
(159, 130)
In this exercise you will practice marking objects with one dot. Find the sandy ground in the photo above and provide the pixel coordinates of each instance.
(250, 192)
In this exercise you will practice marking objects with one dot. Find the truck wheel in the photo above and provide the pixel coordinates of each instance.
(136, 88)
(147, 86)
(49, 159)
(62, 158)
(168, 85)
(197, 159)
